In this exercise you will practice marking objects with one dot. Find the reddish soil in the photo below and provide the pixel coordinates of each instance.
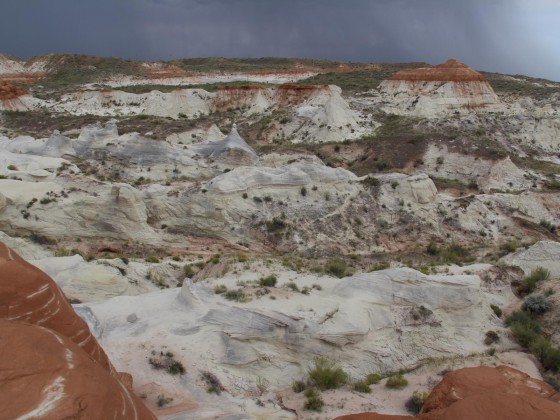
(451, 71)
(9, 91)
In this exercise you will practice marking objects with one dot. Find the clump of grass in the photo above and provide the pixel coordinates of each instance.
(373, 378)
(292, 286)
(188, 271)
(298, 386)
(326, 374)
(313, 400)
(167, 362)
(525, 329)
(268, 281)
(162, 400)
(361, 386)
(236, 296)
(151, 259)
(336, 266)
(397, 381)
(416, 401)
(530, 282)
(220, 289)
(497, 310)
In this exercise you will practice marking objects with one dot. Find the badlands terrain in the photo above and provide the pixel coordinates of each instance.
(224, 230)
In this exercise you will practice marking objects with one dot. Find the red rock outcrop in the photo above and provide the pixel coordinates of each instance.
(44, 375)
(29, 295)
(500, 393)
(451, 71)
(9, 91)
(484, 393)
(51, 367)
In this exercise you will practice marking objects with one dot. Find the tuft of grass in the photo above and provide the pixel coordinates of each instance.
(151, 259)
(397, 381)
(531, 281)
(416, 401)
(361, 386)
(497, 310)
(220, 289)
(336, 266)
(491, 338)
(298, 386)
(236, 296)
(373, 378)
(313, 400)
(213, 383)
(326, 374)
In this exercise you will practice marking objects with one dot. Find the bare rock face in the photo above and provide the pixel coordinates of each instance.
(9, 91)
(45, 375)
(490, 393)
(431, 91)
(50, 352)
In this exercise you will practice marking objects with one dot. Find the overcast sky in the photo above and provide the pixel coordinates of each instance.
(509, 36)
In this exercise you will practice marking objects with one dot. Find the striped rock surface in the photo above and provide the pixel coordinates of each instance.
(51, 367)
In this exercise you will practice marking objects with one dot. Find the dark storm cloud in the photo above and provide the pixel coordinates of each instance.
(514, 36)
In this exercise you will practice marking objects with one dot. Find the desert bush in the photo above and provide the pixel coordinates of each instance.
(416, 401)
(326, 374)
(236, 295)
(167, 362)
(151, 259)
(548, 226)
(268, 281)
(298, 386)
(303, 191)
(491, 338)
(536, 304)
(397, 381)
(213, 383)
(12, 167)
(361, 386)
(220, 288)
(292, 286)
(313, 400)
(162, 400)
(530, 282)
(497, 310)
(188, 271)
(373, 378)
(336, 266)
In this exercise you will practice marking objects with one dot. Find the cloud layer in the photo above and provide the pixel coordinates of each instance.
(510, 36)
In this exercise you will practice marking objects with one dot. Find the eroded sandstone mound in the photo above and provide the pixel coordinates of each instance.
(45, 375)
(483, 392)
(51, 366)
(451, 71)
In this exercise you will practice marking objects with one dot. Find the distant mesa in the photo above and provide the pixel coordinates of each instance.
(452, 70)
(451, 87)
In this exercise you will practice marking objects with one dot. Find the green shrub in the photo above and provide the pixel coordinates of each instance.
(303, 191)
(215, 259)
(326, 374)
(361, 386)
(524, 329)
(313, 400)
(336, 266)
(151, 259)
(176, 368)
(12, 167)
(416, 401)
(536, 304)
(268, 281)
(496, 310)
(397, 381)
(548, 226)
(292, 286)
(241, 258)
(373, 378)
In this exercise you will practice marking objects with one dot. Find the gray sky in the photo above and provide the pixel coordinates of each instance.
(509, 36)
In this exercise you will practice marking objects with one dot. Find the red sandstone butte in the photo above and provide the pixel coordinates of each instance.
(451, 71)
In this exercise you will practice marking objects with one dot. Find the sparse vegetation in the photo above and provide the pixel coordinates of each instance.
(236, 296)
(373, 378)
(336, 266)
(536, 304)
(416, 401)
(397, 381)
(361, 386)
(491, 338)
(530, 282)
(313, 400)
(268, 281)
(167, 362)
(213, 383)
(326, 374)
(298, 386)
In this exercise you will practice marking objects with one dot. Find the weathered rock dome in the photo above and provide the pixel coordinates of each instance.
(452, 70)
